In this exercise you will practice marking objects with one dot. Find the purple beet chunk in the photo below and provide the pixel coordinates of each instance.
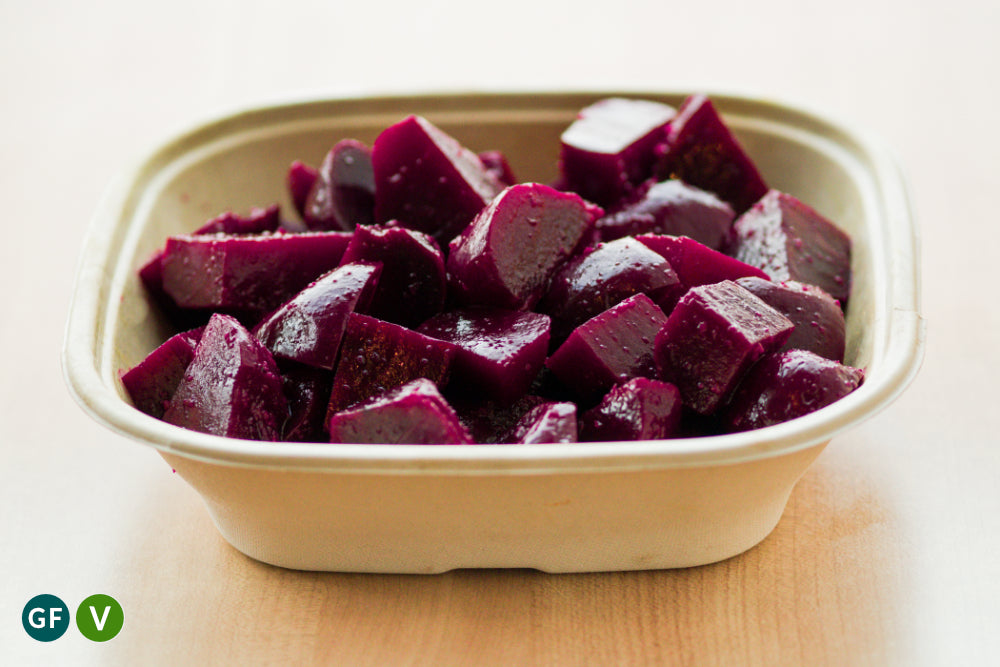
(818, 319)
(640, 409)
(152, 381)
(498, 353)
(496, 163)
(232, 386)
(790, 241)
(610, 348)
(412, 414)
(343, 195)
(307, 389)
(609, 150)
(700, 150)
(413, 283)
(299, 180)
(786, 385)
(545, 423)
(603, 276)
(377, 356)
(309, 327)
(507, 255)
(253, 272)
(712, 337)
(674, 208)
(427, 180)
(697, 264)
(490, 422)
(258, 221)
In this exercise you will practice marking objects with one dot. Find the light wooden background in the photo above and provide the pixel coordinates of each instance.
(888, 551)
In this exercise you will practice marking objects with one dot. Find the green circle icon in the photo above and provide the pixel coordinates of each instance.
(100, 618)
(45, 618)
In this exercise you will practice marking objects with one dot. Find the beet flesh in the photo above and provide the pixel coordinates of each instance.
(697, 264)
(640, 409)
(258, 221)
(545, 424)
(343, 194)
(299, 180)
(152, 382)
(496, 164)
(307, 389)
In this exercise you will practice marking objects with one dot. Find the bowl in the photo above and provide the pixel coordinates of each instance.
(425, 509)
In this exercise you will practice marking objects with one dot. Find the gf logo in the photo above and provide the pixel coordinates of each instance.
(46, 618)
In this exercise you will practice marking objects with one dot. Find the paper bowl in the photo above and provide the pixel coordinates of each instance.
(557, 508)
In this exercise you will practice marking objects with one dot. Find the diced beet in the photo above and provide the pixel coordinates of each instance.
(818, 319)
(490, 422)
(152, 381)
(603, 276)
(254, 272)
(498, 352)
(507, 255)
(496, 163)
(413, 283)
(701, 150)
(786, 385)
(712, 337)
(258, 221)
(307, 389)
(640, 409)
(309, 327)
(412, 414)
(789, 240)
(545, 423)
(610, 348)
(427, 180)
(675, 208)
(299, 180)
(231, 387)
(151, 275)
(697, 264)
(610, 148)
(343, 194)
(377, 356)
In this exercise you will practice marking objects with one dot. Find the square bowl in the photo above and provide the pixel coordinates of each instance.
(433, 508)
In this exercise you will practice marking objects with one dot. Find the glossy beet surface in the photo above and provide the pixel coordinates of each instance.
(697, 264)
(343, 194)
(546, 423)
(258, 221)
(307, 389)
(152, 381)
(299, 180)
(496, 164)
(640, 409)
(232, 386)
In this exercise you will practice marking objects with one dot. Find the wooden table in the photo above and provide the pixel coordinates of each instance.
(887, 553)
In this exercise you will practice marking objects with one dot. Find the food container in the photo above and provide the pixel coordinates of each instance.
(557, 508)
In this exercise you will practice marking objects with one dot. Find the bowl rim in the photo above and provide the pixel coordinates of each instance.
(901, 354)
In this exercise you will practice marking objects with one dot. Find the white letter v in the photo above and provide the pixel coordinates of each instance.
(104, 617)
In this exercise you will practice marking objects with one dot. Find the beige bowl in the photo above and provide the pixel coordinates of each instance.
(559, 508)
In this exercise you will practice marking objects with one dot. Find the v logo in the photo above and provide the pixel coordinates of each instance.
(104, 617)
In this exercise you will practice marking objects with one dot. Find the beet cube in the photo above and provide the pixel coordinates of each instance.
(231, 387)
(546, 423)
(712, 337)
(640, 409)
(609, 150)
(786, 385)
(496, 163)
(701, 150)
(490, 422)
(603, 276)
(412, 414)
(376, 356)
(427, 180)
(308, 328)
(413, 283)
(254, 272)
(790, 241)
(507, 255)
(343, 195)
(307, 389)
(818, 319)
(610, 348)
(299, 180)
(498, 353)
(675, 208)
(152, 381)
(697, 264)
(258, 221)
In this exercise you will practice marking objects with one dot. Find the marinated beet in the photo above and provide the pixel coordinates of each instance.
(413, 414)
(427, 180)
(231, 387)
(610, 348)
(546, 423)
(152, 381)
(258, 221)
(674, 208)
(507, 255)
(818, 319)
(343, 194)
(413, 284)
(791, 241)
(697, 264)
(496, 164)
(490, 422)
(307, 389)
(640, 409)
(712, 337)
(308, 328)
(701, 150)
(498, 353)
(299, 180)
(786, 385)
(609, 150)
